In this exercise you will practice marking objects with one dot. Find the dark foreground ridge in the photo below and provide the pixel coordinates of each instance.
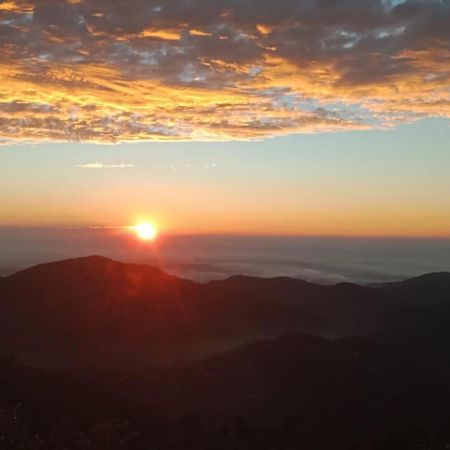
(130, 357)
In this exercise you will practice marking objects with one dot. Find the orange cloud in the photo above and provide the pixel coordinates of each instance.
(170, 35)
(263, 29)
(15, 7)
(91, 71)
(195, 32)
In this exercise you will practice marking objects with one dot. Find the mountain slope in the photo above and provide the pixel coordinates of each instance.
(301, 392)
(350, 308)
(297, 391)
(94, 310)
(423, 290)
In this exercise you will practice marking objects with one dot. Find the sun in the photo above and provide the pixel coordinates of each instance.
(145, 231)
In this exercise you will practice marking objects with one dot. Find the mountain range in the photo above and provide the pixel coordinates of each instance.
(127, 353)
(94, 311)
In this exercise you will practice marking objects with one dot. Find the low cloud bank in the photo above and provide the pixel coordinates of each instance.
(203, 258)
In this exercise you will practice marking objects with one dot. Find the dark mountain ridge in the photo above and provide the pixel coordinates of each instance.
(298, 391)
(98, 310)
(423, 290)
(94, 311)
(243, 363)
(349, 308)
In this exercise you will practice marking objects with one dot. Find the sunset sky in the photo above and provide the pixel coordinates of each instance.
(308, 117)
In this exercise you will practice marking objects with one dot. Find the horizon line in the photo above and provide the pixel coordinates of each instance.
(165, 234)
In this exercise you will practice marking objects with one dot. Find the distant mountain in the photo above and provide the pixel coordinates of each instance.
(349, 308)
(423, 290)
(95, 312)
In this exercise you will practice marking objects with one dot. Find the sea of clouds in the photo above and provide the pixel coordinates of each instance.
(324, 260)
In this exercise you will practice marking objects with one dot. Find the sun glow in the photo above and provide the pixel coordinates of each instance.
(145, 231)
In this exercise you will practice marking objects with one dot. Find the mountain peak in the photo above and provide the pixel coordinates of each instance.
(88, 263)
(94, 258)
(433, 278)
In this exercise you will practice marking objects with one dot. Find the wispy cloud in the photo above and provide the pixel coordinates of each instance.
(104, 166)
(218, 70)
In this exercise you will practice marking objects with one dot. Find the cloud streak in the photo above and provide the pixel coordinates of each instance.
(105, 166)
(113, 71)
